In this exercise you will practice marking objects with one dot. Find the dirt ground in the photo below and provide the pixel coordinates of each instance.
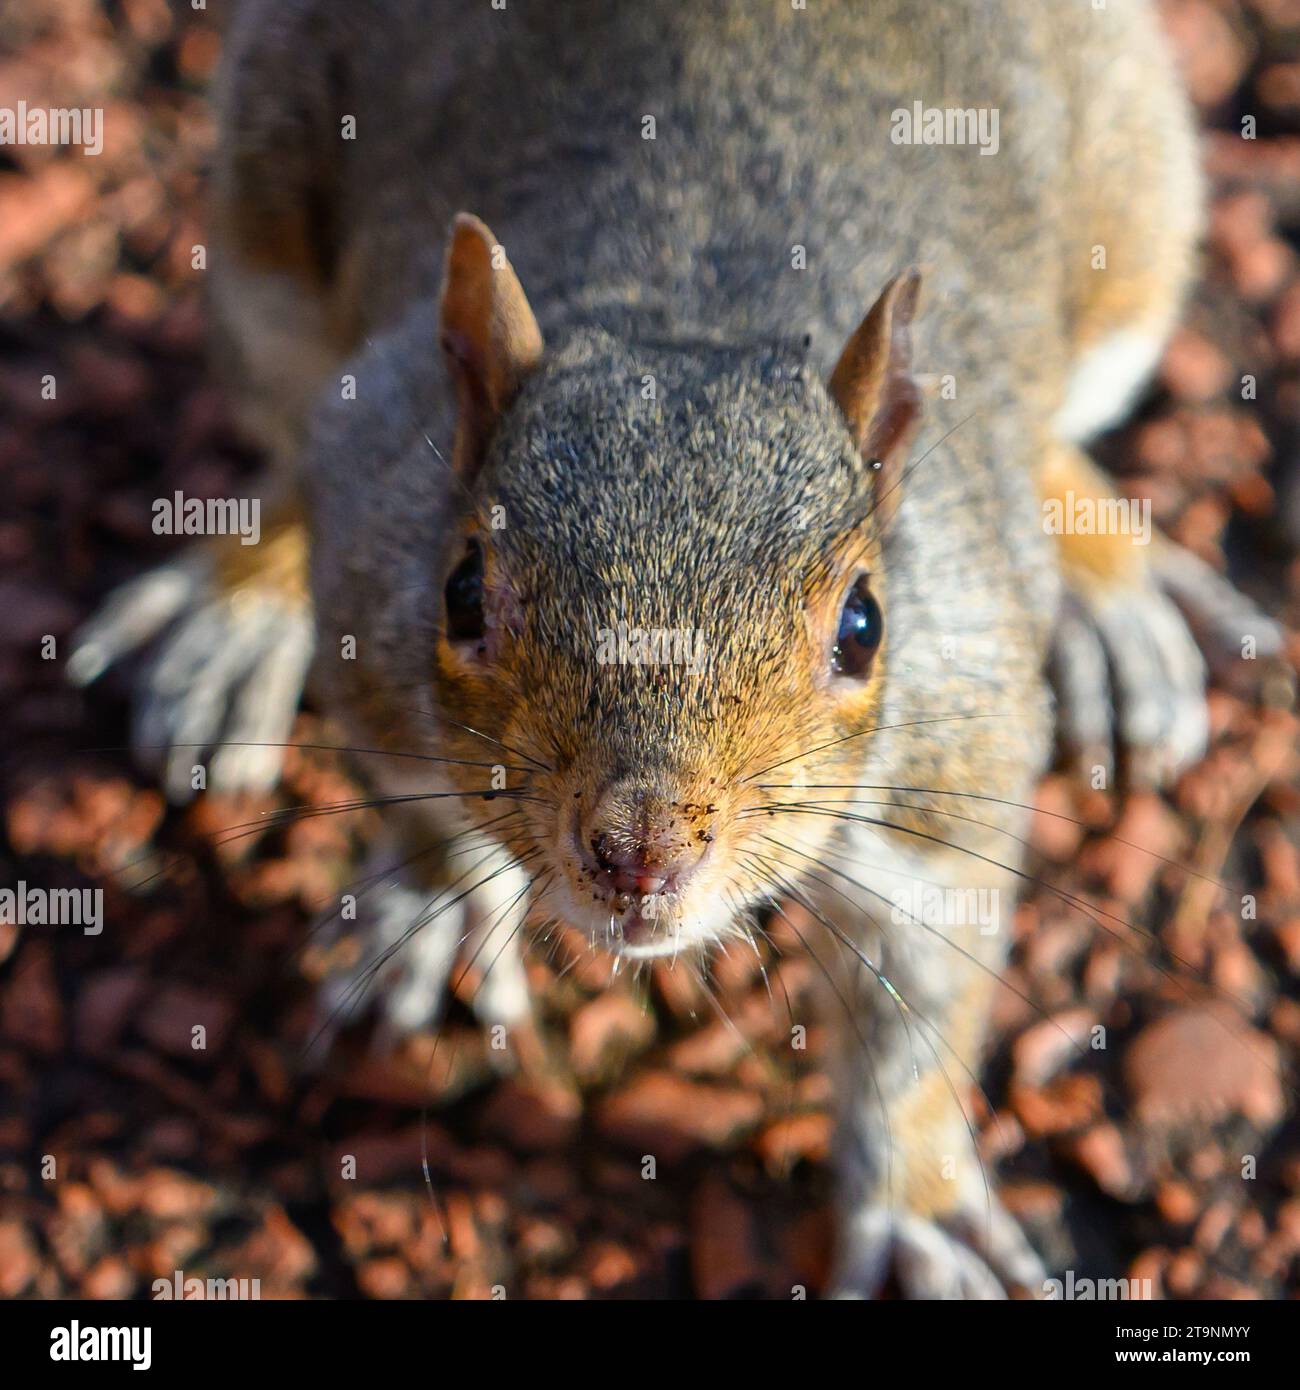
(1172, 1154)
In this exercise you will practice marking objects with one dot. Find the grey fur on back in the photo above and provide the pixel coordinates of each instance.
(772, 131)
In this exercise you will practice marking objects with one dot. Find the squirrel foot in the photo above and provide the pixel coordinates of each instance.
(411, 936)
(1129, 679)
(1141, 628)
(405, 968)
(1130, 662)
(229, 657)
(967, 1254)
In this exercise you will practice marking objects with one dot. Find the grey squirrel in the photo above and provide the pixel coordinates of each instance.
(679, 543)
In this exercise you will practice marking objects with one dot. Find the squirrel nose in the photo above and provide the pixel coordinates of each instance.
(643, 867)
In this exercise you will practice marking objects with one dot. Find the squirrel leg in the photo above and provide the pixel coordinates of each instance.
(228, 627)
(452, 905)
(231, 634)
(945, 1235)
(1140, 621)
(916, 1202)
(1142, 618)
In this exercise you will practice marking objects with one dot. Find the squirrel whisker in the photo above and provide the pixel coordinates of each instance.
(862, 733)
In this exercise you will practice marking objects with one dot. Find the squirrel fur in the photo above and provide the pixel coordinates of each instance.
(727, 351)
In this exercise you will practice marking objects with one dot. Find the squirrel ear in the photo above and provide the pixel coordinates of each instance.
(488, 333)
(872, 382)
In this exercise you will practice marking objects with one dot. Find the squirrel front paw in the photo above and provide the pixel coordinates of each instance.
(1142, 625)
(228, 638)
(1132, 654)
(400, 943)
(971, 1254)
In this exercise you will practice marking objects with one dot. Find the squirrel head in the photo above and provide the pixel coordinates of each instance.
(664, 598)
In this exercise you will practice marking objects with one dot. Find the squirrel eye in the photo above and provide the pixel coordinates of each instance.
(464, 595)
(861, 627)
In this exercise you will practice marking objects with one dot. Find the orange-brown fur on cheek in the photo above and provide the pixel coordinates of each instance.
(706, 785)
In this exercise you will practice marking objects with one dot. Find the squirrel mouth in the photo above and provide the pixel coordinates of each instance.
(643, 909)
(637, 878)
(634, 926)
(639, 919)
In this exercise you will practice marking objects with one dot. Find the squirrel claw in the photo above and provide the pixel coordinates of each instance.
(1229, 627)
(412, 963)
(969, 1256)
(410, 937)
(1130, 662)
(1130, 680)
(224, 680)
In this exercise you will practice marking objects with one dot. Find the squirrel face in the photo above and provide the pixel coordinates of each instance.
(665, 600)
